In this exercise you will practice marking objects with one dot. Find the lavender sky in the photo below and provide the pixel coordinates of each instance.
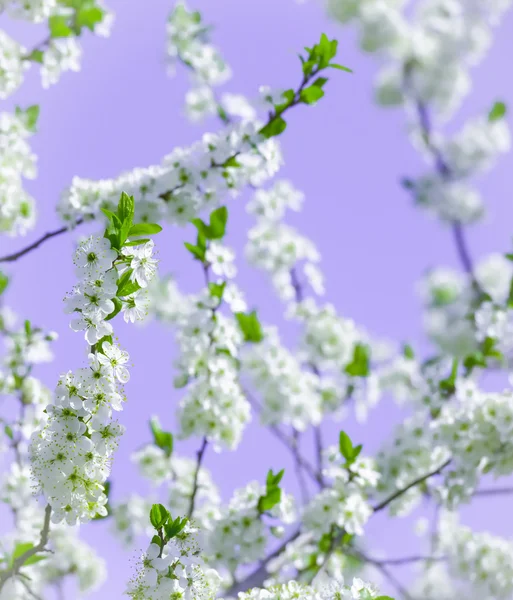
(346, 154)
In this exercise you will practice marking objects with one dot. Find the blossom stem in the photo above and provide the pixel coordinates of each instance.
(200, 455)
(303, 488)
(41, 547)
(47, 236)
(414, 483)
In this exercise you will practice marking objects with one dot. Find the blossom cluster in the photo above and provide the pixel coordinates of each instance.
(27, 347)
(359, 590)
(174, 567)
(238, 535)
(483, 560)
(277, 248)
(214, 405)
(60, 51)
(429, 52)
(72, 453)
(344, 504)
(17, 161)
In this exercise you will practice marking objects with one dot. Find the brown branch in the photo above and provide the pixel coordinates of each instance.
(402, 491)
(41, 547)
(47, 236)
(200, 455)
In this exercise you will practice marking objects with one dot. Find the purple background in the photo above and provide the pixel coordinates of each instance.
(346, 154)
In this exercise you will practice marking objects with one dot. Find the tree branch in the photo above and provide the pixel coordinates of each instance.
(47, 236)
(402, 491)
(41, 547)
(201, 453)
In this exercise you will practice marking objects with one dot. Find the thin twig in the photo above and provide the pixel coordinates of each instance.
(41, 547)
(199, 460)
(493, 492)
(402, 491)
(390, 576)
(303, 488)
(47, 236)
(258, 576)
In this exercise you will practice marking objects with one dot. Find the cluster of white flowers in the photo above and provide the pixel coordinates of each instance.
(278, 248)
(345, 503)
(214, 405)
(35, 11)
(290, 394)
(336, 589)
(451, 318)
(12, 65)
(26, 348)
(413, 453)
(483, 560)
(430, 51)
(59, 53)
(174, 571)
(17, 212)
(476, 427)
(239, 535)
(186, 183)
(71, 454)
(60, 56)
(186, 41)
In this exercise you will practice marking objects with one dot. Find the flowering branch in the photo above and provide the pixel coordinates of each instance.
(40, 547)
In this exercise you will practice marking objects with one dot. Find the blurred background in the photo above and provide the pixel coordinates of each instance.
(346, 154)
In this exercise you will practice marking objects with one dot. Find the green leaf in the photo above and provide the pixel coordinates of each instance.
(408, 352)
(118, 305)
(218, 220)
(345, 446)
(250, 326)
(35, 558)
(232, 162)
(498, 112)
(359, 367)
(19, 550)
(113, 217)
(383, 598)
(123, 281)
(35, 56)
(4, 282)
(196, 251)
(340, 67)
(89, 17)
(311, 95)
(28, 328)
(173, 528)
(8, 432)
(145, 229)
(156, 540)
(126, 207)
(270, 500)
(58, 26)
(29, 116)
(274, 480)
(217, 289)
(162, 439)
(275, 127)
(158, 515)
(138, 242)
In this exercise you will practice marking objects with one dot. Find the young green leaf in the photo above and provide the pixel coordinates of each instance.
(118, 305)
(158, 515)
(196, 251)
(250, 326)
(275, 127)
(270, 500)
(162, 439)
(359, 366)
(345, 446)
(144, 229)
(58, 26)
(4, 282)
(498, 112)
(88, 16)
(218, 220)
